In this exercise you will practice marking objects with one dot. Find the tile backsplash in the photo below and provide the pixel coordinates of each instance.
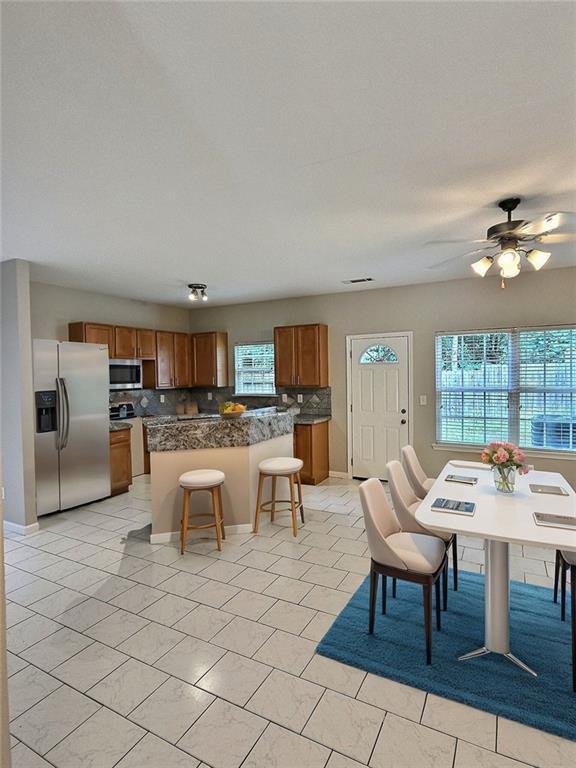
(146, 402)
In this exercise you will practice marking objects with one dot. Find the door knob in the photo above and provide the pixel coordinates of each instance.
(403, 410)
(402, 421)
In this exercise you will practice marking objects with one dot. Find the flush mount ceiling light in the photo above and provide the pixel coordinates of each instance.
(197, 292)
(506, 241)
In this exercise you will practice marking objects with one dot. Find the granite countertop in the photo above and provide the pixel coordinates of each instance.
(305, 418)
(169, 433)
(118, 426)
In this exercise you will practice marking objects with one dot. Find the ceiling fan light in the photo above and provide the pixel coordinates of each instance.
(508, 258)
(510, 270)
(538, 258)
(483, 265)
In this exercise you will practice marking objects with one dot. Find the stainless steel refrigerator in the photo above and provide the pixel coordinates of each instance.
(71, 446)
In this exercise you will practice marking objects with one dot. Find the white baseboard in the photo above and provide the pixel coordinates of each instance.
(172, 536)
(341, 475)
(21, 530)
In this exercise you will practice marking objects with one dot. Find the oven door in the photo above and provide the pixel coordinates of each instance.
(125, 374)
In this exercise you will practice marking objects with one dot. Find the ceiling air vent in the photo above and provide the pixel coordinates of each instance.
(358, 280)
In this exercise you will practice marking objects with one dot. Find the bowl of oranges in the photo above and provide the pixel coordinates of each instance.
(230, 410)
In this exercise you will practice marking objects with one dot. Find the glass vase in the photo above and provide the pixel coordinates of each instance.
(504, 479)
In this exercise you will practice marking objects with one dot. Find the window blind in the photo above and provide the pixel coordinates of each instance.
(507, 384)
(254, 368)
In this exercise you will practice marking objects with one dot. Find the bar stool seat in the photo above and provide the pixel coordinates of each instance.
(280, 466)
(202, 480)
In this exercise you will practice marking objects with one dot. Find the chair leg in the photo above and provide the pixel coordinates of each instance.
(216, 513)
(300, 501)
(557, 567)
(384, 591)
(258, 503)
(372, 607)
(273, 505)
(293, 506)
(455, 562)
(221, 512)
(438, 617)
(184, 522)
(573, 621)
(563, 572)
(394, 587)
(445, 586)
(427, 594)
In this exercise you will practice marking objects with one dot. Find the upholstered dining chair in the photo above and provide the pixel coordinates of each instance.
(405, 504)
(566, 561)
(420, 483)
(414, 557)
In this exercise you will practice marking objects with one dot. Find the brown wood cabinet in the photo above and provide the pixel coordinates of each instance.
(120, 462)
(145, 344)
(164, 360)
(93, 333)
(125, 342)
(301, 355)
(311, 445)
(209, 364)
(182, 368)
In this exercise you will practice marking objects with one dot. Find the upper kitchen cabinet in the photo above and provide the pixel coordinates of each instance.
(93, 333)
(301, 355)
(182, 367)
(209, 352)
(125, 343)
(145, 344)
(164, 361)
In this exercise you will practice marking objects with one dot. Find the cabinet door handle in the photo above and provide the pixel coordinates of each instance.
(402, 421)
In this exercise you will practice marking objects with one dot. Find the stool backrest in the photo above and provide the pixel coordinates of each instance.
(416, 474)
(380, 522)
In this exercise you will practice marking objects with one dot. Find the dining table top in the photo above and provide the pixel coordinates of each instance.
(501, 516)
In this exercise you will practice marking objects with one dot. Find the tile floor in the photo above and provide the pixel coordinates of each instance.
(126, 654)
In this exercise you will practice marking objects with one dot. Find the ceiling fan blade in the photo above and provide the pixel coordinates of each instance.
(449, 242)
(557, 237)
(546, 223)
(460, 256)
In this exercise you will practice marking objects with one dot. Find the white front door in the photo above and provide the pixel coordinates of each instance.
(379, 399)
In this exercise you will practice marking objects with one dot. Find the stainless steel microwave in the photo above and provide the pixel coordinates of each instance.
(125, 374)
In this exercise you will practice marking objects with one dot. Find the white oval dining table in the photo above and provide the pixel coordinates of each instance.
(500, 519)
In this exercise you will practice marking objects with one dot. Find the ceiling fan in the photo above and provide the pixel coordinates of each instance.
(507, 240)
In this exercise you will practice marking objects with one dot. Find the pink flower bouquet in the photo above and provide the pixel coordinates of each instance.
(506, 459)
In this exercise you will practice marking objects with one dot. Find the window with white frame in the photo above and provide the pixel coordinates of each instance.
(516, 384)
(254, 369)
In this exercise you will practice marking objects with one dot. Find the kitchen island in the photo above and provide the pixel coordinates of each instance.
(235, 446)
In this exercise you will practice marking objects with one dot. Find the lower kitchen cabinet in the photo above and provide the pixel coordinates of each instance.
(311, 445)
(120, 462)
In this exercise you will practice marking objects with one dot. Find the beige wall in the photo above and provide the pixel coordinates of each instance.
(53, 307)
(531, 299)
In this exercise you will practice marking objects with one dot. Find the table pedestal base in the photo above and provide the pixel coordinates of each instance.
(497, 606)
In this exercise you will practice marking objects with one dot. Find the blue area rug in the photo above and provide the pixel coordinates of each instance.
(396, 650)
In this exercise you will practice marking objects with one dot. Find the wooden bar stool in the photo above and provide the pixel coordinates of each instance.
(202, 480)
(275, 468)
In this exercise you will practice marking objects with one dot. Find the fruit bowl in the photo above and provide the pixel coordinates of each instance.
(230, 410)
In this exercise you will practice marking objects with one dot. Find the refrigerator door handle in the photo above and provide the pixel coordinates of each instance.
(66, 402)
(59, 414)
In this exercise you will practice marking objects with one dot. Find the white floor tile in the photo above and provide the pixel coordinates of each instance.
(127, 686)
(153, 752)
(543, 750)
(190, 659)
(224, 735)
(280, 748)
(249, 605)
(334, 675)
(28, 632)
(53, 718)
(242, 636)
(23, 757)
(204, 622)
(288, 616)
(56, 648)
(151, 642)
(116, 628)
(234, 678)
(100, 742)
(286, 651)
(471, 756)
(285, 699)
(28, 687)
(461, 721)
(169, 609)
(89, 666)
(171, 709)
(393, 697)
(404, 744)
